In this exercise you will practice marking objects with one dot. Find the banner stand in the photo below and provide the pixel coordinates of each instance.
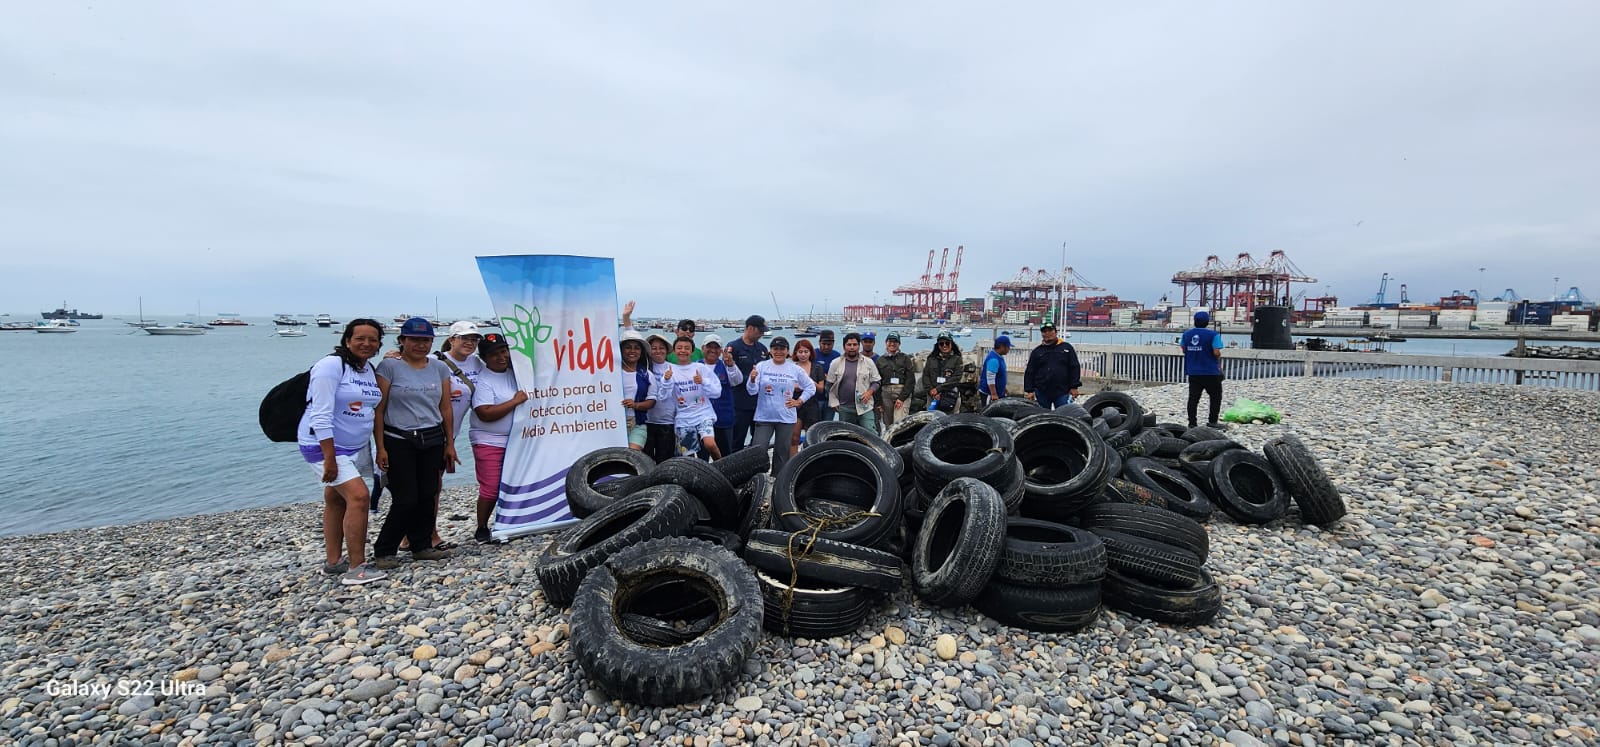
(559, 316)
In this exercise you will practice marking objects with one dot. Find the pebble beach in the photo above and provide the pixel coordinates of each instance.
(1457, 603)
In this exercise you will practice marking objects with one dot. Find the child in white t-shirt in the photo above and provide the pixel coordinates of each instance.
(691, 388)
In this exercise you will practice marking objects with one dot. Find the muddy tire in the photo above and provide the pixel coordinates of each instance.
(812, 610)
(1308, 484)
(1119, 490)
(596, 479)
(1248, 488)
(652, 513)
(822, 561)
(1062, 609)
(705, 484)
(959, 543)
(1044, 553)
(641, 672)
(1181, 493)
(1192, 605)
(1149, 522)
(843, 474)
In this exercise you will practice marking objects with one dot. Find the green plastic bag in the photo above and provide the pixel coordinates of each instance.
(1250, 411)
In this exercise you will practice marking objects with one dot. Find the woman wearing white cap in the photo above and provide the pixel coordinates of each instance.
(457, 352)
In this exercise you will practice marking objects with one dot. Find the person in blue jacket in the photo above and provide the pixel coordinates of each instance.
(1054, 374)
(994, 370)
(1202, 363)
(729, 374)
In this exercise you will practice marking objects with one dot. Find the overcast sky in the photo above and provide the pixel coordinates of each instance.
(354, 157)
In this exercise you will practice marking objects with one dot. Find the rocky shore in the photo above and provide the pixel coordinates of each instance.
(1458, 603)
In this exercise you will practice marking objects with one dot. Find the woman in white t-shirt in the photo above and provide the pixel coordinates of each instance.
(774, 382)
(335, 439)
(493, 401)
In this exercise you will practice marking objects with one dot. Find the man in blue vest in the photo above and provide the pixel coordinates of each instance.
(994, 370)
(1202, 363)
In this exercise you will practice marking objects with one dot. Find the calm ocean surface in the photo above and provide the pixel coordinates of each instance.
(110, 425)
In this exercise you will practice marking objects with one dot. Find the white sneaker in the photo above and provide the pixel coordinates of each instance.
(364, 575)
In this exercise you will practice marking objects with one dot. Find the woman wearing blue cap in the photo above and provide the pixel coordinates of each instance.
(415, 443)
(1202, 363)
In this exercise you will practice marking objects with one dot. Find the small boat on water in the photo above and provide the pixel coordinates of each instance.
(324, 320)
(65, 313)
(284, 320)
(181, 328)
(228, 323)
(56, 326)
(18, 326)
(963, 332)
(289, 332)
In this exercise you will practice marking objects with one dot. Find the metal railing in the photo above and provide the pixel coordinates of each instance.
(1161, 364)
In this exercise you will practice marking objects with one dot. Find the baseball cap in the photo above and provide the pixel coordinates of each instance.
(492, 342)
(1002, 340)
(756, 320)
(416, 327)
(710, 339)
(1202, 316)
(892, 336)
(464, 327)
(779, 342)
(1047, 326)
(945, 336)
(869, 335)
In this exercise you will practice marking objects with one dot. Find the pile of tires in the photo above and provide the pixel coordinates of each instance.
(1154, 562)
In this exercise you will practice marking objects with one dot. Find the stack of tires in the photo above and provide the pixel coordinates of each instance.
(1154, 562)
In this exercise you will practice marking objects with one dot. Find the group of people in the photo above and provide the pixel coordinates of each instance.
(399, 416)
(708, 401)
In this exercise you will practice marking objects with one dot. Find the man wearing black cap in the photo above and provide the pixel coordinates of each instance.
(747, 352)
(1053, 375)
(826, 355)
(898, 371)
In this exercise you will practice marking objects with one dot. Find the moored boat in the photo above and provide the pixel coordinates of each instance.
(56, 326)
(181, 328)
(228, 323)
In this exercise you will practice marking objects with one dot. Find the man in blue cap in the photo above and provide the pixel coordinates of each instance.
(1202, 363)
(994, 370)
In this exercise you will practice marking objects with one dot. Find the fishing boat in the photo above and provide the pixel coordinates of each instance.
(289, 332)
(228, 323)
(284, 320)
(324, 320)
(181, 328)
(56, 326)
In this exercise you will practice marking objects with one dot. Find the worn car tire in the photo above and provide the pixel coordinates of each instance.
(838, 472)
(810, 610)
(1248, 488)
(904, 432)
(704, 483)
(744, 464)
(1181, 493)
(964, 445)
(959, 544)
(755, 505)
(1149, 522)
(1308, 484)
(1205, 451)
(1044, 553)
(660, 511)
(1059, 609)
(838, 430)
(1012, 408)
(1064, 462)
(1192, 605)
(1118, 490)
(640, 672)
(584, 496)
(822, 561)
(1203, 433)
(1152, 560)
(1132, 413)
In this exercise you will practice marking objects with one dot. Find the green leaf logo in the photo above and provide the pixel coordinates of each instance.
(524, 331)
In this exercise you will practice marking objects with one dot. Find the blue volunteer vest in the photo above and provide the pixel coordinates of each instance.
(999, 376)
(1198, 358)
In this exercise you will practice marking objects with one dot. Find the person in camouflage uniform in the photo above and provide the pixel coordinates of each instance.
(899, 379)
(969, 389)
(942, 367)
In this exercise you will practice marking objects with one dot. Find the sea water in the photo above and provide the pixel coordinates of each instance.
(110, 425)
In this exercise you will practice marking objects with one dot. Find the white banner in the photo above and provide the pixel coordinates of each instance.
(559, 316)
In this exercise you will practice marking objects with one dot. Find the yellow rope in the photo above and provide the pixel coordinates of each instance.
(814, 526)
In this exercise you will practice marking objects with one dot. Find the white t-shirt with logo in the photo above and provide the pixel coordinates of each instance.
(342, 402)
(773, 384)
(691, 401)
(493, 389)
(460, 393)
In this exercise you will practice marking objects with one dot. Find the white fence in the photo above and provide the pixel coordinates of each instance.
(1152, 364)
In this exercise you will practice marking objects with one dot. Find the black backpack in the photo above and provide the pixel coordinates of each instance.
(284, 405)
